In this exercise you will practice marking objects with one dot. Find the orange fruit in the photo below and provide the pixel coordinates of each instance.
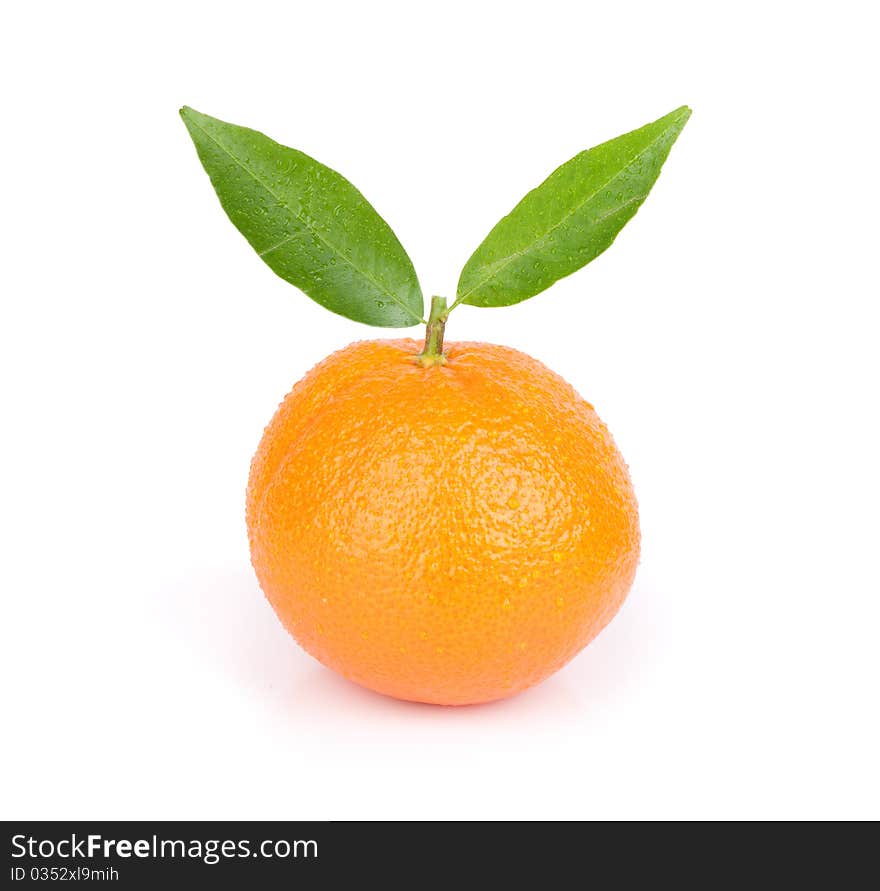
(448, 534)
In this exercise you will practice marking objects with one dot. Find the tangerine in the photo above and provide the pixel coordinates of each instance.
(449, 532)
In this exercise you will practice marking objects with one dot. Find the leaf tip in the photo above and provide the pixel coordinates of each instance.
(188, 116)
(192, 117)
(682, 114)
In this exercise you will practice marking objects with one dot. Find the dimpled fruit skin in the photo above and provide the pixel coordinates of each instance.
(450, 534)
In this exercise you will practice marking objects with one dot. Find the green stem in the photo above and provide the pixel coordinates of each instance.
(432, 353)
(456, 303)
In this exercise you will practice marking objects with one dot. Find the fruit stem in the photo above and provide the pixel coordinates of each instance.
(432, 352)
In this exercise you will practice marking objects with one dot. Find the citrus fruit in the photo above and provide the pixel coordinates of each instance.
(449, 532)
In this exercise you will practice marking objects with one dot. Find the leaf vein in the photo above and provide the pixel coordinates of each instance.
(275, 247)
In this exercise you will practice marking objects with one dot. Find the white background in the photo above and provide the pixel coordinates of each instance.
(728, 338)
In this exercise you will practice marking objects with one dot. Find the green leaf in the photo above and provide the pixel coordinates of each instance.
(310, 225)
(570, 218)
